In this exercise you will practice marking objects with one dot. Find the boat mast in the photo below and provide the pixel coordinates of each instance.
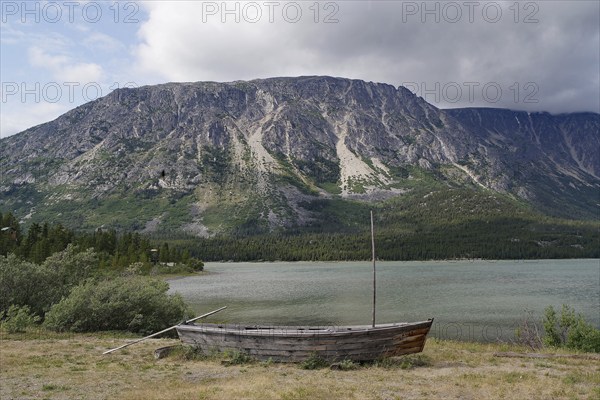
(374, 280)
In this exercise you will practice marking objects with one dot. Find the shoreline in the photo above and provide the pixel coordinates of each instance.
(490, 260)
(173, 277)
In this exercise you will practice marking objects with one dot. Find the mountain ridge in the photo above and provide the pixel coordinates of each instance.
(259, 153)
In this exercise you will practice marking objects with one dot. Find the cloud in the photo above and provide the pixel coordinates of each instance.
(10, 35)
(98, 41)
(540, 55)
(39, 58)
(14, 121)
(81, 72)
(63, 68)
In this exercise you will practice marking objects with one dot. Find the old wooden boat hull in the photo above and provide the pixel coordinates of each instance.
(296, 344)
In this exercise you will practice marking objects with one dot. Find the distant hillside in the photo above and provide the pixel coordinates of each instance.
(290, 155)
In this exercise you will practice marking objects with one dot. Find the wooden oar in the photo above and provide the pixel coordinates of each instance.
(164, 330)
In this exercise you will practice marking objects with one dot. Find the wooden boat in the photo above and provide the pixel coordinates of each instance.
(296, 343)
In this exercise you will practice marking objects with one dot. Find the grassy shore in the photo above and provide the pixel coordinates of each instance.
(54, 366)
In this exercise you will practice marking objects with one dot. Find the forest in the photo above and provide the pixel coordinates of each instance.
(494, 237)
(116, 251)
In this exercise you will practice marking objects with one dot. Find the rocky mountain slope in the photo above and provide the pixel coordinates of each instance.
(257, 156)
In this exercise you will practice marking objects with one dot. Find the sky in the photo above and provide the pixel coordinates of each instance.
(521, 55)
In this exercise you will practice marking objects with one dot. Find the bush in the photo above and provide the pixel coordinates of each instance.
(528, 332)
(314, 362)
(125, 303)
(196, 265)
(164, 268)
(570, 330)
(170, 268)
(137, 268)
(237, 358)
(40, 286)
(27, 284)
(72, 266)
(18, 319)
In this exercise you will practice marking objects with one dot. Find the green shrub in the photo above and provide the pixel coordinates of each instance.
(170, 268)
(267, 363)
(72, 266)
(237, 358)
(137, 268)
(570, 330)
(132, 304)
(191, 353)
(583, 337)
(27, 284)
(195, 265)
(314, 362)
(18, 319)
(40, 286)
(163, 268)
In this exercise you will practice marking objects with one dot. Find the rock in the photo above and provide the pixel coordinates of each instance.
(266, 148)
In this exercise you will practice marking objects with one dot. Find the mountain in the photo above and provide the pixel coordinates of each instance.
(554, 159)
(287, 154)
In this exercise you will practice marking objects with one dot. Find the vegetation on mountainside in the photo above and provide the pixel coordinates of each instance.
(440, 224)
(427, 223)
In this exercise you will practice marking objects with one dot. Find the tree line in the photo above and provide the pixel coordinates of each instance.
(494, 238)
(115, 251)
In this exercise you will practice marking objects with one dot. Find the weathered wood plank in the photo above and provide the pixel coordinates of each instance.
(317, 346)
(321, 340)
(373, 352)
(302, 332)
(298, 356)
(299, 345)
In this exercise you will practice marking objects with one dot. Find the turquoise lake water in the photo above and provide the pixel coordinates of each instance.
(470, 300)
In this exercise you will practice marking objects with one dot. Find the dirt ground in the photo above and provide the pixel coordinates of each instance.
(73, 367)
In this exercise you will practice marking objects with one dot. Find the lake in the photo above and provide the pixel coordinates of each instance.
(470, 300)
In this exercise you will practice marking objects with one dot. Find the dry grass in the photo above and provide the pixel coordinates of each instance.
(73, 367)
